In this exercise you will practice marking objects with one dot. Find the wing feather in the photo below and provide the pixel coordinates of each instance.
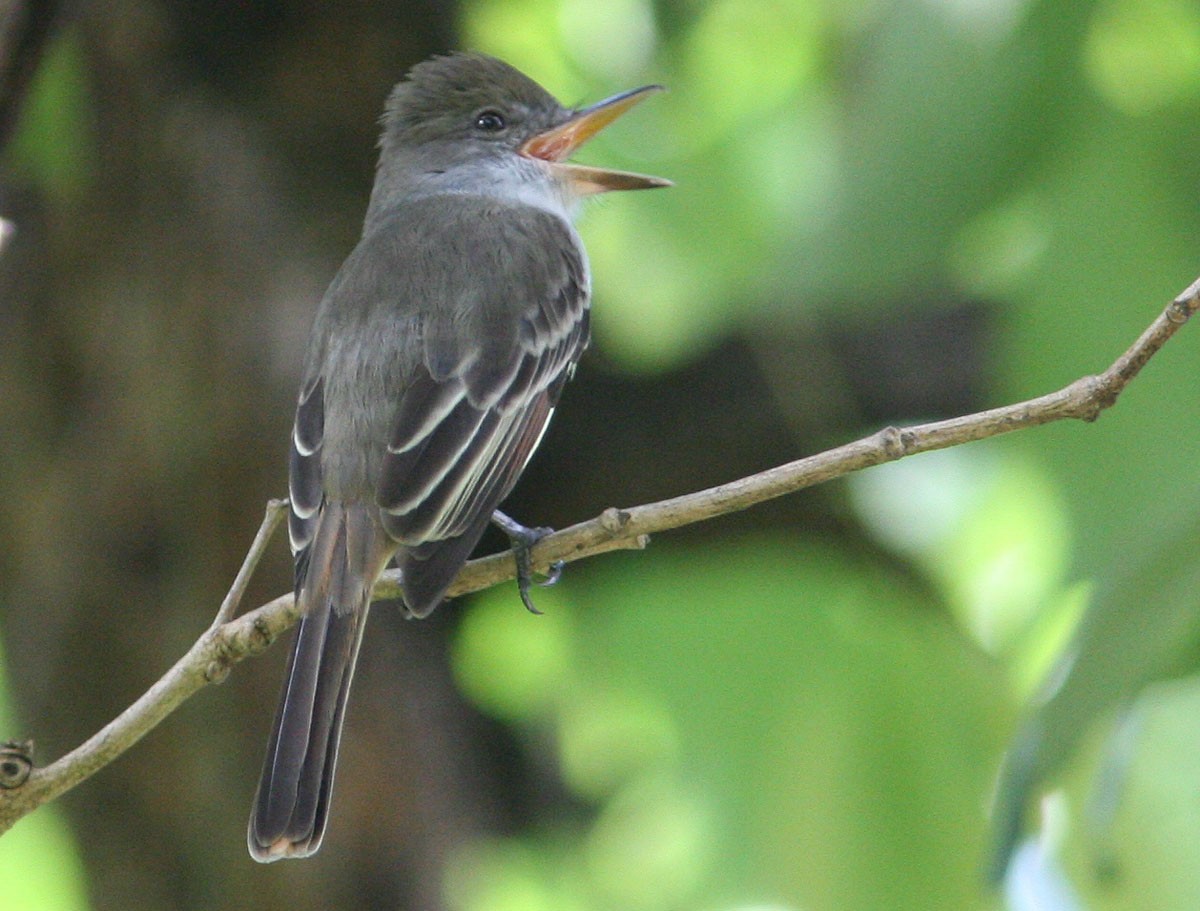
(447, 467)
(305, 491)
(426, 403)
(435, 403)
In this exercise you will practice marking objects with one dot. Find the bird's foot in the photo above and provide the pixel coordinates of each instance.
(522, 539)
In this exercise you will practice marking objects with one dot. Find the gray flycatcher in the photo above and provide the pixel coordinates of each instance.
(436, 359)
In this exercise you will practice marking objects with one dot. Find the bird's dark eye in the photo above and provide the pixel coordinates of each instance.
(490, 121)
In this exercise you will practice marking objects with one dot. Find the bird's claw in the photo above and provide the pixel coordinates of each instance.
(522, 539)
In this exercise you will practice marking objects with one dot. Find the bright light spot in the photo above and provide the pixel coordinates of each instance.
(605, 739)
(650, 847)
(655, 309)
(1007, 563)
(502, 875)
(509, 662)
(1036, 880)
(7, 230)
(993, 533)
(40, 867)
(912, 505)
(1144, 54)
(523, 33)
(748, 57)
(614, 40)
(1001, 247)
(989, 19)
(793, 163)
(1047, 657)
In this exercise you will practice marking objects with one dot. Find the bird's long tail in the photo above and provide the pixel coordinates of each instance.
(347, 553)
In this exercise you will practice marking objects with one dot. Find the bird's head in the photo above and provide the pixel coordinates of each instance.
(466, 121)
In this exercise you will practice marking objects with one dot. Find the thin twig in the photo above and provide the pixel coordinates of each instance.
(1083, 399)
(275, 511)
(207, 661)
(228, 641)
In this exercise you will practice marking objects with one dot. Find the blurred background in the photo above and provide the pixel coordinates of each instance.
(886, 211)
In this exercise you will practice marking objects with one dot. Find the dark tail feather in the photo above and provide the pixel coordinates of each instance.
(292, 804)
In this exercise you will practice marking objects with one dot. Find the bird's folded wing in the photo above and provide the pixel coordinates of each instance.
(305, 492)
(464, 431)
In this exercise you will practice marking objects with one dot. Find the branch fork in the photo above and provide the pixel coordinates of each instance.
(230, 639)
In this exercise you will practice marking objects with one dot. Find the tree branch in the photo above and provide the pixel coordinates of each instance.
(227, 641)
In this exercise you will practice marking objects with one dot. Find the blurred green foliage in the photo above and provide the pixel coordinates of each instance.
(773, 720)
(761, 729)
(820, 738)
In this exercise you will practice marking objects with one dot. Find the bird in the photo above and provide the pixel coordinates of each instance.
(436, 359)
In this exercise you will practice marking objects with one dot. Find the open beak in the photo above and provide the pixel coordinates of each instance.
(556, 145)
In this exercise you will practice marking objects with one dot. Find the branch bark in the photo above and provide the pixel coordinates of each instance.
(228, 640)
